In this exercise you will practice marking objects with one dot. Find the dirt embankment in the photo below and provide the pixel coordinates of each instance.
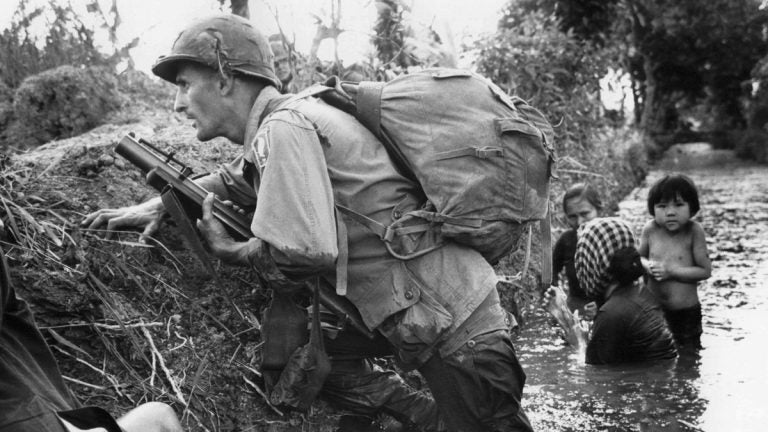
(131, 323)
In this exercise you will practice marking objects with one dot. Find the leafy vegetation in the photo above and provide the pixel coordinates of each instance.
(65, 101)
(687, 59)
(57, 84)
(68, 41)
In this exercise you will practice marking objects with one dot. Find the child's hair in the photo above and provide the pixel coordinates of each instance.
(672, 186)
(584, 191)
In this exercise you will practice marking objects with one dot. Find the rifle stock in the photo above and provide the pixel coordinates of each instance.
(164, 171)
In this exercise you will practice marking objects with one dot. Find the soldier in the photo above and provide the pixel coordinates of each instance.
(33, 396)
(283, 65)
(306, 163)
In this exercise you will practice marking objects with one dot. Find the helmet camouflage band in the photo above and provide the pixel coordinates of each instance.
(227, 43)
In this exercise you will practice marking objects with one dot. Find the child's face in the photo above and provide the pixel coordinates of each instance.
(578, 210)
(672, 214)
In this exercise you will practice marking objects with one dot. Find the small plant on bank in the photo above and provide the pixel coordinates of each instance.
(64, 102)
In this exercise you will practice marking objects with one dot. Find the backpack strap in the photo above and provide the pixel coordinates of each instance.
(545, 226)
(369, 105)
(389, 233)
(343, 258)
(310, 91)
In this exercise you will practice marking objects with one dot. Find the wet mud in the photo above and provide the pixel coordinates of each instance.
(720, 388)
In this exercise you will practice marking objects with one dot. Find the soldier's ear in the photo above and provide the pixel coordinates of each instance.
(226, 83)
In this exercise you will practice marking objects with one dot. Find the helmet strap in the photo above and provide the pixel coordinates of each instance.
(224, 68)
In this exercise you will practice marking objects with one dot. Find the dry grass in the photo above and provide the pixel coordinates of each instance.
(132, 322)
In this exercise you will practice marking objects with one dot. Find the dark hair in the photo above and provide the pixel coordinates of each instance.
(625, 266)
(672, 186)
(585, 191)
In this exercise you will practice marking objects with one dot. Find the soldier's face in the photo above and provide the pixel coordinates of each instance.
(199, 98)
(283, 69)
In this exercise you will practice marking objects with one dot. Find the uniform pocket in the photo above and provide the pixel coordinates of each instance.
(417, 329)
(426, 321)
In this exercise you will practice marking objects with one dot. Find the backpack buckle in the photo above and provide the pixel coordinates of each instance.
(389, 234)
(488, 152)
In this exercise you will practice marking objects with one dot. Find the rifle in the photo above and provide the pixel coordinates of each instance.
(183, 198)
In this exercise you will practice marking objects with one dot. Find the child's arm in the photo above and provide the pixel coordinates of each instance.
(701, 268)
(644, 249)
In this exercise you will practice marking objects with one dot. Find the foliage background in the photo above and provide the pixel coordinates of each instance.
(133, 323)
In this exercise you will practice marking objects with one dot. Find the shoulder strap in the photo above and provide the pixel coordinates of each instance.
(342, 259)
(273, 104)
(310, 91)
(546, 250)
(285, 100)
(369, 105)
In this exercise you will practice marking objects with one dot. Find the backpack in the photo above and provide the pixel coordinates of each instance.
(483, 159)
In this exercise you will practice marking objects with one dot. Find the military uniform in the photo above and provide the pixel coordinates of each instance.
(439, 312)
(317, 174)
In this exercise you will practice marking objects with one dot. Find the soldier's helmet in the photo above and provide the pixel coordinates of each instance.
(227, 43)
(279, 50)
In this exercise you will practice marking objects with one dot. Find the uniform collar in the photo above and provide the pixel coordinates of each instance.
(256, 115)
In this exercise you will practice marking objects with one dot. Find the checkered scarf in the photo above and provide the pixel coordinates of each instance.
(597, 241)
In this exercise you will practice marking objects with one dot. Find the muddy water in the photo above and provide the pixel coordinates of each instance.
(722, 388)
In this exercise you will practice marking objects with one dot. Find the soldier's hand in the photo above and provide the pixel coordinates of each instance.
(220, 242)
(145, 216)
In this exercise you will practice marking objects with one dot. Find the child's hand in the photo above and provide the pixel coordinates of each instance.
(658, 270)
